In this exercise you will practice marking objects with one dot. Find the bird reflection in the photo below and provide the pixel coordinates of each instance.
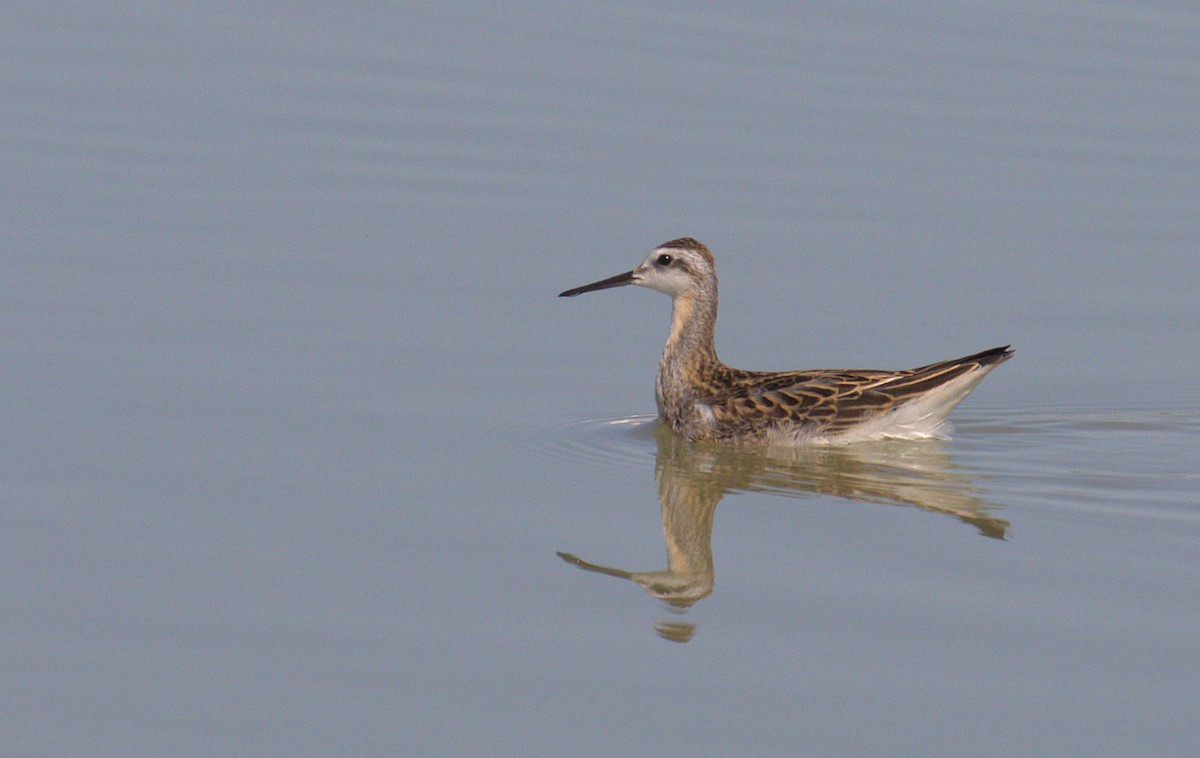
(693, 477)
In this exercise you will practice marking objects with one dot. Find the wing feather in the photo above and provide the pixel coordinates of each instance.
(833, 400)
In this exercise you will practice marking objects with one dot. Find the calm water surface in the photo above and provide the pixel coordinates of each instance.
(304, 456)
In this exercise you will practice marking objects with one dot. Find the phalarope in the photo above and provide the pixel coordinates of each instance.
(703, 399)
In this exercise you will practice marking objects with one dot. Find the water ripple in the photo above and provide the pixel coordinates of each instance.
(1058, 458)
(624, 442)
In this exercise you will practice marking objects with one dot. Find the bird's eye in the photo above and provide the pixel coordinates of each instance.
(664, 260)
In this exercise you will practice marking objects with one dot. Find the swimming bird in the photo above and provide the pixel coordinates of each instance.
(701, 398)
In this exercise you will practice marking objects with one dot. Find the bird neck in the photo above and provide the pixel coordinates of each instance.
(690, 352)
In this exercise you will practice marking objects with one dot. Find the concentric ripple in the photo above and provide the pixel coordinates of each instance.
(1097, 459)
(625, 442)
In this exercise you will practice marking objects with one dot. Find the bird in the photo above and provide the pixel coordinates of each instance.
(702, 399)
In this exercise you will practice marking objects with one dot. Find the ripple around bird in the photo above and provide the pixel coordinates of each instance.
(1120, 474)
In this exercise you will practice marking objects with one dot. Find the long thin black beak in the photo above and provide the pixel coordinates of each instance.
(619, 280)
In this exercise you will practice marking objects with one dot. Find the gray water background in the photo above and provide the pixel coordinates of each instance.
(294, 424)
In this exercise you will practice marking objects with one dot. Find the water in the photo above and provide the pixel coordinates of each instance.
(295, 428)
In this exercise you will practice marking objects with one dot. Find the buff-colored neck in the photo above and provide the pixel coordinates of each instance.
(690, 350)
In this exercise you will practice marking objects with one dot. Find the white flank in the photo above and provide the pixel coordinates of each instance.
(923, 417)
